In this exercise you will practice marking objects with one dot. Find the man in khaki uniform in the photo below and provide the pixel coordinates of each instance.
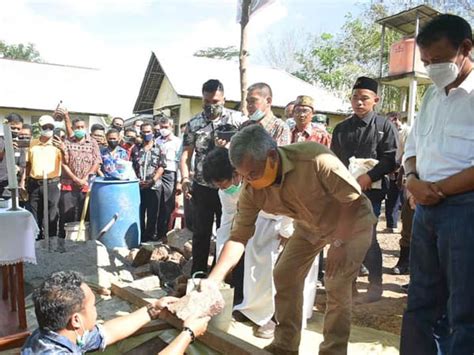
(307, 182)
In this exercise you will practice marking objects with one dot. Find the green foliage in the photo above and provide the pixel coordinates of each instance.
(227, 53)
(20, 51)
(335, 61)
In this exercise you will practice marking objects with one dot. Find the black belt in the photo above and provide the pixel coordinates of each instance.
(40, 181)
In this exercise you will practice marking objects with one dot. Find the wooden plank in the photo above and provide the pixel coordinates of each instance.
(214, 338)
(153, 326)
(21, 296)
(13, 341)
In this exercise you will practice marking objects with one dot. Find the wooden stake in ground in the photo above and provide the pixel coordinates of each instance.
(244, 55)
(45, 210)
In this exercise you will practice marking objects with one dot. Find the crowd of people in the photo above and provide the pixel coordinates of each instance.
(281, 190)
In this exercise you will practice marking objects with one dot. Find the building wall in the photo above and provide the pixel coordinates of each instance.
(32, 116)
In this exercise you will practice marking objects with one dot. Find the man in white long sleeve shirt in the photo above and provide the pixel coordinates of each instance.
(439, 165)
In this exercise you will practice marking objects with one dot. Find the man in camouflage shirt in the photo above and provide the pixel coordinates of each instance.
(149, 163)
(199, 139)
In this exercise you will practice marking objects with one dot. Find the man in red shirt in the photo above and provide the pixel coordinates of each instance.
(81, 160)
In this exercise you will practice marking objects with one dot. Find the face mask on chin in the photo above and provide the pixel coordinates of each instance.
(444, 74)
(268, 177)
(81, 339)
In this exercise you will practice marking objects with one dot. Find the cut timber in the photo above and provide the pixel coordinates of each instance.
(13, 341)
(153, 326)
(214, 338)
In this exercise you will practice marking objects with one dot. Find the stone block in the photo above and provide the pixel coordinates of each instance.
(167, 271)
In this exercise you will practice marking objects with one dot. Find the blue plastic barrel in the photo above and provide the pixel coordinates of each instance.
(119, 198)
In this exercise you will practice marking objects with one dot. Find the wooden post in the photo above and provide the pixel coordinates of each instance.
(244, 55)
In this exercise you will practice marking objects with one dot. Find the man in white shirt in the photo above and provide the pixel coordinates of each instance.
(439, 164)
(171, 146)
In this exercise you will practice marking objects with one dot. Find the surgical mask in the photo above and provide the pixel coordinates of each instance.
(118, 128)
(147, 137)
(81, 339)
(268, 177)
(79, 133)
(232, 189)
(257, 115)
(59, 124)
(112, 144)
(129, 140)
(443, 74)
(165, 132)
(15, 134)
(213, 111)
(48, 133)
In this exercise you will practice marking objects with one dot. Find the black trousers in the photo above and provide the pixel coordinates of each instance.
(71, 204)
(149, 208)
(166, 197)
(3, 188)
(35, 191)
(206, 207)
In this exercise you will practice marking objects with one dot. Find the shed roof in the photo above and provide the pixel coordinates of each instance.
(40, 86)
(187, 74)
(405, 21)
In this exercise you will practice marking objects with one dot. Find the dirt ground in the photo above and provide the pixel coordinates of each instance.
(387, 313)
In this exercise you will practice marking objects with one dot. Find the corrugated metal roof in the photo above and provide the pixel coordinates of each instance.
(405, 21)
(187, 74)
(40, 86)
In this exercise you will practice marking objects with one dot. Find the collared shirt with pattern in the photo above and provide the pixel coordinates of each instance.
(110, 158)
(80, 157)
(311, 133)
(44, 341)
(147, 162)
(313, 187)
(200, 134)
(276, 127)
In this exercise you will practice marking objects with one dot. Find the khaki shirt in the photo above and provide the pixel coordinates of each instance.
(44, 156)
(313, 187)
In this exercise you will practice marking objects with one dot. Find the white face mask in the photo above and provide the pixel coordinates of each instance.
(165, 132)
(48, 133)
(443, 74)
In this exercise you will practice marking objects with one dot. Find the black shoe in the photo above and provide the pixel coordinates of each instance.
(240, 317)
(374, 294)
(405, 287)
(403, 264)
(272, 349)
(363, 271)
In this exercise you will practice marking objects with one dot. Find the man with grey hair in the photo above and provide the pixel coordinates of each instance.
(306, 182)
(171, 147)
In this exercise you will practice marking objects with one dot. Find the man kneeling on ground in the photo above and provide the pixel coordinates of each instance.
(66, 314)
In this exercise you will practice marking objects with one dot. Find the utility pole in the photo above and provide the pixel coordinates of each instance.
(244, 54)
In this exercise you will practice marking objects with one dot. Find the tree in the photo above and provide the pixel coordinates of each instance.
(282, 52)
(335, 61)
(227, 53)
(20, 51)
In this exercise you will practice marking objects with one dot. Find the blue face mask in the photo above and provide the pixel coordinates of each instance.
(148, 137)
(232, 189)
(79, 133)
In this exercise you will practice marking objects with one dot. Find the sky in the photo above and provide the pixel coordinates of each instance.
(117, 36)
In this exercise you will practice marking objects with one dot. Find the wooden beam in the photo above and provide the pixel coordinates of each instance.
(213, 338)
(13, 341)
(153, 326)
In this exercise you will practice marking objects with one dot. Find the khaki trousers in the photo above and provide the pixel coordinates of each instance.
(289, 275)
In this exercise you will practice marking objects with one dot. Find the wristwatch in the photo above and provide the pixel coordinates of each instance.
(337, 243)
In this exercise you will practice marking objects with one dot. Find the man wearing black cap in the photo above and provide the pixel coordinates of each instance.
(367, 134)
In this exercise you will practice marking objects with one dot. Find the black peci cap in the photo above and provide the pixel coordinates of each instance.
(364, 82)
